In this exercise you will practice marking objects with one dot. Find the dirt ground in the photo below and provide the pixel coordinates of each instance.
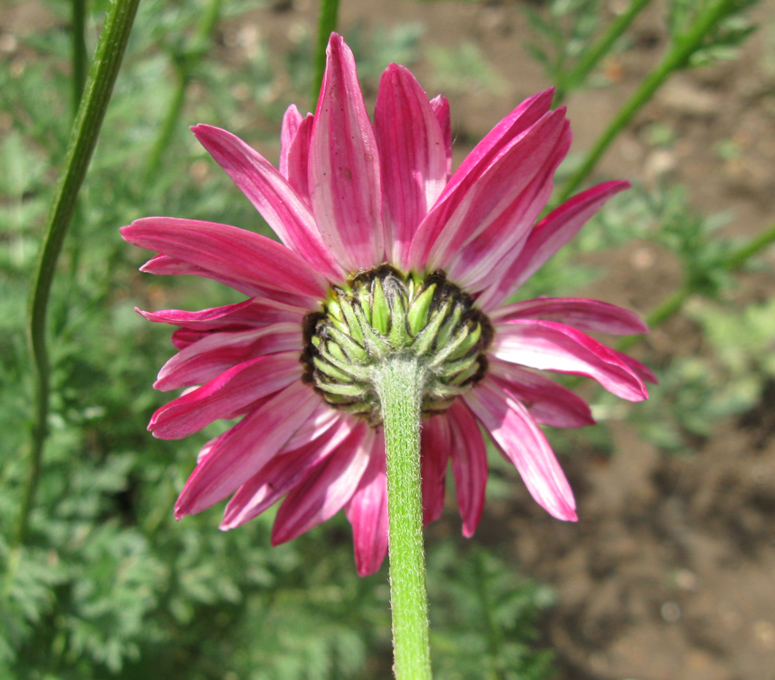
(670, 573)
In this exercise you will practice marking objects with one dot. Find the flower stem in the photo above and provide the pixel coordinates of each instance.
(78, 29)
(94, 103)
(329, 14)
(676, 58)
(399, 381)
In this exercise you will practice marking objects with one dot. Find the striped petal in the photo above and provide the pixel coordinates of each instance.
(435, 443)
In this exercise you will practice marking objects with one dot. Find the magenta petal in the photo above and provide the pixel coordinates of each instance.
(469, 465)
(472, 168)
(246, 448)
(344, 180)
(324, 490)
(434, 458)
(297, 162)
(493, 191)
(271, 194)
(281, 474)
(643, 372)
(551, 346)
(367, 511)
(523, 443)
(290, 127)
(590, 316)
(233, 252)
(256, 312)
(218, 352)
(412, 152)
(231, 391)
(549, 235)
(440, 107)
(548, 402)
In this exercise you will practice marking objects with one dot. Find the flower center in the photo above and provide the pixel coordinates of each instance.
(381, 313)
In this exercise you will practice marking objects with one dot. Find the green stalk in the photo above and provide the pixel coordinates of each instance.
(86, 128)
(329, 13)
(399, 382)
(184, 66)
(594, 54)
(79, 51)
(676, 58)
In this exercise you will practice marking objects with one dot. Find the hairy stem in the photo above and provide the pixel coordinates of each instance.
(104, 69)
(78, 29)
(399, 382)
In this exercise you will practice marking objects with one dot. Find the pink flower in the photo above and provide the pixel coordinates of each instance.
(382, 249)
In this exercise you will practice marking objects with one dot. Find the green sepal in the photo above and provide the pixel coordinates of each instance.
(425, 340)
(349, 345)
(380, 310)
(331, 371)
(418, 311)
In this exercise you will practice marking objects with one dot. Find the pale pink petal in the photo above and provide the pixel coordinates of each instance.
(324, 490)
(548, 402)
(218, 352)
(551, 346)
(469, 465)
(590, 316)
(290, 127)
(298, 159)
(271, 194)
(523, 443)
(256, 312)
(413, 157)
(475, 164)
(549, 235)
(435, 444)
(231, 391)
(367, 511)
(236, 253)
(344, 180)
(246, 448)
(283, 472)
(492, 190)
(170, 266)
(440, 107)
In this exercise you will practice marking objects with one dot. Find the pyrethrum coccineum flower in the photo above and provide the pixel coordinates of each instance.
(383, 250)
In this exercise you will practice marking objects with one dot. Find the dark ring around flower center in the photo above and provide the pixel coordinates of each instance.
(383, 312)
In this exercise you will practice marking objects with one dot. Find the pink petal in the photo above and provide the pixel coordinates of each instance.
(412, 152)
(434, 459)
(218, 352)
(367, 511)
(469, 465)
(271, 194)
(549, 235)
(170, 266)
(324, 490)
(547, 402)
(483, 259)
(185, 337)
(590, 316)
(522, 442)
(231, 391)
(290, 127)
(282, 473)
(323, 418)
(491, 191)
(440, 107)
(256, 312)
(297, 162)
(643, 372)
(246, 448)
(344, 180)
(551, 346)
(475, 164)
(235, 253)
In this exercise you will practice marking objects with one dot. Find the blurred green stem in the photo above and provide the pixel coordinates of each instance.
(399, 384)
(676, 58)
(83, 139)
(673, 304)
(596, 52)
(329, 12)
(79, 51)
(185, 63)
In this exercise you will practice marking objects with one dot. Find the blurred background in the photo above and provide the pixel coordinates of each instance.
(670, 572)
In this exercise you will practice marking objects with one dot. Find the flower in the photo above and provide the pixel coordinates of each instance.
(383, 249)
